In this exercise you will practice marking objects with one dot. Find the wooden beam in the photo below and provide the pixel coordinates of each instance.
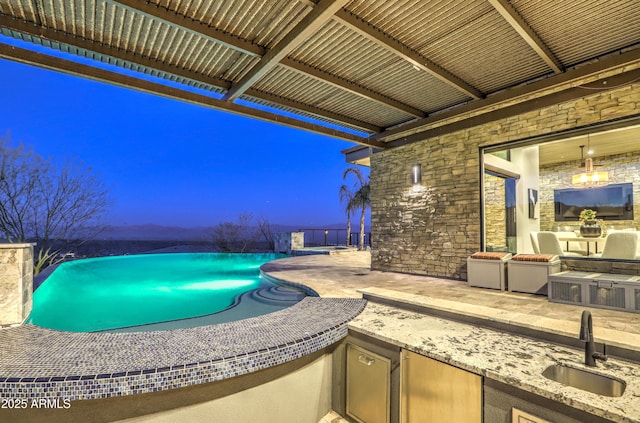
(396, 47)
(77, 69)
(35, 30)
(170, 17)
(520, 93)
(351, 87)
(318, 16)
(511, 15)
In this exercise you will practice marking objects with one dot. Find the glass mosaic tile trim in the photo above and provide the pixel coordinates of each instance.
(37, 362)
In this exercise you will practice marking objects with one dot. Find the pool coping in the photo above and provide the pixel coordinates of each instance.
(40, 363)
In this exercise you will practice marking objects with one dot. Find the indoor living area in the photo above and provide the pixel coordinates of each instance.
(574, 194)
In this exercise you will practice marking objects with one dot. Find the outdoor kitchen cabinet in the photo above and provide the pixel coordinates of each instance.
(368, 385)
(432, 391)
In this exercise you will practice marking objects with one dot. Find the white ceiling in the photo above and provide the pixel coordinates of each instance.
(602, 144)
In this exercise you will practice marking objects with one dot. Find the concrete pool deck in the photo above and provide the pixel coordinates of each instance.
(350, 275)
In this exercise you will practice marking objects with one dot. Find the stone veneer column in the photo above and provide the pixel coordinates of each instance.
(285, 242)
(16, 282)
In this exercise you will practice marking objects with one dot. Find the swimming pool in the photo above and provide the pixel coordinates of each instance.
(158, 292)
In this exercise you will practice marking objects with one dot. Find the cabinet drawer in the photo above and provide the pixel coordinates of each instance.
(368, 385)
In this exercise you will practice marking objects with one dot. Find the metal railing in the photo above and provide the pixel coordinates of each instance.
(315, 237)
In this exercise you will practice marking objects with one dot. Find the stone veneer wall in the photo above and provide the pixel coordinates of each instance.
(619, 267)
(622, 168)
(428, 228)
(16, 282)
(432, 228)
(495, 214)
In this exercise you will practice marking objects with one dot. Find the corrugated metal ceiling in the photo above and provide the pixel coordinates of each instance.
(307, 90)
(372, 65)
(263, 22)
(489, 54)
(418, 23)
(578, 30)
(342, 52)
(416, 87)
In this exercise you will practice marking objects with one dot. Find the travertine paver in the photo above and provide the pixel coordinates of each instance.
(343, 275)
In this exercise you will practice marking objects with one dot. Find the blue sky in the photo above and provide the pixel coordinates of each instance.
(172, 163)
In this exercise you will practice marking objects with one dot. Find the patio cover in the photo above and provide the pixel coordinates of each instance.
(379, 73)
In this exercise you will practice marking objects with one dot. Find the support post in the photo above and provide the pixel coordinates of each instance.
(16, 283)
(285, 242)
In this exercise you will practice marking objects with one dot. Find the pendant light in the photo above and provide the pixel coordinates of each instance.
(589, 176)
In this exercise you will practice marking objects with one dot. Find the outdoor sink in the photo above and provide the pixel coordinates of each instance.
(585, 380)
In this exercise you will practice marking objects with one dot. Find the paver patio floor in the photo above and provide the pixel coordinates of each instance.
(342, 275)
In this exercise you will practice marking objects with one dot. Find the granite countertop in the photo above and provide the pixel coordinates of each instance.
(514, 360)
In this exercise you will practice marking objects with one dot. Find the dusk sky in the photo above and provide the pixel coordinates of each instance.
(172, 163)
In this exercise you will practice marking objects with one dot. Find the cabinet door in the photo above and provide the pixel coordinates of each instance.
(368, 385)
(432, 391)
(519, 416)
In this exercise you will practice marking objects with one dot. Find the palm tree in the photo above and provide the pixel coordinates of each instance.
(346, 197)
(359, 199)
(362, 199)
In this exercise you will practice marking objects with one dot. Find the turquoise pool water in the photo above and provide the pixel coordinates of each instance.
(115, 292)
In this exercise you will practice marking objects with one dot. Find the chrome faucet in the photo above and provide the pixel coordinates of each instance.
(586, 335)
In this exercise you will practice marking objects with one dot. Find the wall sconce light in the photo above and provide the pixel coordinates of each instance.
(416, 174)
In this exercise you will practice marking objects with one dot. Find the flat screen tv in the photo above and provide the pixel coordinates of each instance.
(611, 202)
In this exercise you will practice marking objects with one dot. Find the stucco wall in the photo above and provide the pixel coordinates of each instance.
(432, 229)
